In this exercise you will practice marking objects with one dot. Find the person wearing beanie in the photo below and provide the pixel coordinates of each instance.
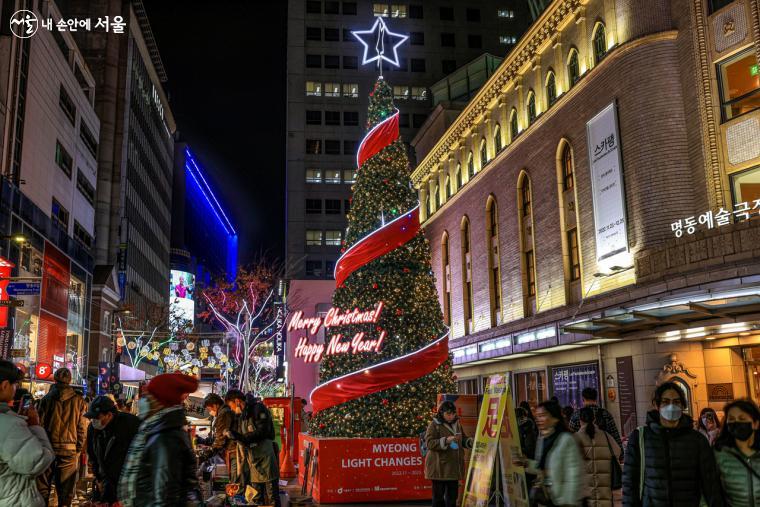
(25, 450)
(62, 415)
(160, 466)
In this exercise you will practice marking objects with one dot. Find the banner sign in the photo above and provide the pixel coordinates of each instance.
(6, 342)
(24, 288)
(279, 340)
(568, 382)
(603, 141)
(513, 476)
(5, 273)
(627, 389)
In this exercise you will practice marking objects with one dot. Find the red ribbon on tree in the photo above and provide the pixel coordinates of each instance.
(381, 135)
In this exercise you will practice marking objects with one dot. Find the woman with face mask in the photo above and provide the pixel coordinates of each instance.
(667, 462)
(708, 424)
(736, 451)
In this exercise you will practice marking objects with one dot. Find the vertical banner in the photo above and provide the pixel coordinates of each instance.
(5, 275)
(568, 382)
(608, 195)
(513, 477)
(279, 340)
(627, 394)
(6, 342)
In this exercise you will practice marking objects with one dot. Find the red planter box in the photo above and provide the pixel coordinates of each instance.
(351, 470)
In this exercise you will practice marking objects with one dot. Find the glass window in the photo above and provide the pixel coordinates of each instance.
(573, 67)
(505, 39)
(332, 147)
(600, 43)
(447, 13)
(85, 187)
(400, 92)
(398, 10)
(332, 117)
(551, 88)
(332, 7)
(67, 105)
(568, 179)
(332, 176)
(329, 269)
(63, 159)
(513, 128)
(470, 165)
(81, 235)
(314, 268)
(531, 107)
(313, 6)
(483, 152)
(498, 145)
(313, 176)
(419, 93)
(447, 187)
(448, 40)
(349, 176)
(349, 147)
(350, 62)
(314, 61)
(415, 11)
(458, 175)
(332, 62)
(332, 238)
(505, 13)
(418, 64)
(350, 118)
(332, 34)
(403, 120)
(531, 273)
(380, 10)
(89, 140)
(349, 8)
(739, 84)
(313, 33)
(474, 41)
(350, 90)
(60, 215)
(575, 259)
(332, 206)
(473, 15)
(417, 38)
(332, 89)
(313, 238)
(346, 206)
(313, 89)
(313, 117)
(313, 146)
(746, 186)
(313, 206)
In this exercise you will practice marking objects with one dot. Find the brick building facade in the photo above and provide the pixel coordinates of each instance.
(508, 205)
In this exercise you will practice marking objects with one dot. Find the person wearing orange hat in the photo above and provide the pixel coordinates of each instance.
(160, 467)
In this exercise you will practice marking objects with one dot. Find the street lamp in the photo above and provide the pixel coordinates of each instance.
(116, 356)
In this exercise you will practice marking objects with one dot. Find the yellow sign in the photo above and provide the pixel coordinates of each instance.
(496, 435)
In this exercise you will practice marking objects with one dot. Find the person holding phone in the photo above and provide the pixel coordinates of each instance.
(444, 461)
(25, 451)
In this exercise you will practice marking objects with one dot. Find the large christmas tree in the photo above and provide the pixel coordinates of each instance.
(402, 280)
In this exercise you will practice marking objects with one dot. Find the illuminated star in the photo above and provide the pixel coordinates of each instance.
(376, 36)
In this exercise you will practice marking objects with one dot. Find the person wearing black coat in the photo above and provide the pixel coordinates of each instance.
(108, 439)
(528, 433)
(679, 466)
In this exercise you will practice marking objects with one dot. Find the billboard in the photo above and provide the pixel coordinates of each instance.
(182, 295)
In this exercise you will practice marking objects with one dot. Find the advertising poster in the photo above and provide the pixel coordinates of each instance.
(567, 382)
(513, 477)
(182, 295)
(627, 390)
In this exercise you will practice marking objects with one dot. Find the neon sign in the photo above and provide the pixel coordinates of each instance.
(334, 318)
(379, 42)
(314, 352)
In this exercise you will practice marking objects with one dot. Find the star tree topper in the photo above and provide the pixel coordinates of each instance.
(378, 35)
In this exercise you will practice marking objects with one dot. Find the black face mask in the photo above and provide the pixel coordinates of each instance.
(740, 430)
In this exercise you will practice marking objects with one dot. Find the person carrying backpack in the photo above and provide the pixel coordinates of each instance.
(603, 418)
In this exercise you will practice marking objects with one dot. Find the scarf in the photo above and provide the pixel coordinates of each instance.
(548, 443)
(132, 465)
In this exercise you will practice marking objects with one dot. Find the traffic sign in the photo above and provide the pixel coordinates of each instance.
(15, 303)
(23, 288)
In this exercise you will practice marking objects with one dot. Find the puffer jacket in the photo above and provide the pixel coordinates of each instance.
(679, 467)
(442, 463)
(597, 459)
(25, 453)
(563, 470)
(741, 487)
(62, 415)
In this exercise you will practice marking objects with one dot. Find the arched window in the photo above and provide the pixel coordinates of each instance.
(436, 198)
(525, 204)
(513, 125)
(458, 175)
(528, 257)
(568, 177)
(494, 271)
(448, 187)
(470, 166)
(569, 222)
(483, 153)
(467, 276)
(551, 88)
(497, 144)
(446, 280)
(573, 68)
(600, 42)
(428, 207)
(531, 106)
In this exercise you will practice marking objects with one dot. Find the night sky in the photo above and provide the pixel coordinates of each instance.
(225, 60)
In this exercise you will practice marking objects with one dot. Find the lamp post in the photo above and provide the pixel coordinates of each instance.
(113, 377)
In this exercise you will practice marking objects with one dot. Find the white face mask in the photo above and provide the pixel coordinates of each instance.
(671, 412)
(97, 424)
(143, 407)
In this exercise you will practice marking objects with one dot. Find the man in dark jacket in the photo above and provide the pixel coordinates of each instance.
(223, 421)
(679, 466)
(108, 438)
(602, 417)
(62, 416)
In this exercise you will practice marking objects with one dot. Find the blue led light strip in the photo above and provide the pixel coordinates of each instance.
(206, 191)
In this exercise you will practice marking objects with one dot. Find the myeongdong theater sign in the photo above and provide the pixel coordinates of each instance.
(311, 352)
(710, 220)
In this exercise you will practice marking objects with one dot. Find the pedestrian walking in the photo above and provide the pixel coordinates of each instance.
(708, 425)
(110, 434)
(601, 455)
(736, 451)
(25, 451)
(256, 453)
(667, 462)
(62, 415)
(161, 468)
(602, 417)
(444, 462)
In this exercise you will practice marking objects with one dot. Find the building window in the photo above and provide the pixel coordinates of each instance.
(745, 186)
(600, 42)
(350, 90)
(446, 279)
(346, 206)
(332, 147)
(531, 107)
(474, 41)
(448, 40)
(530, 267)
(350, 118)
(401, 92)
(313, 176)
(525, 197)
(551, 88)
(313, 7)
(314, 117)
(467, 303)
(350, 62)
(380, 10)
(332, 89)
(473, 15)
(331, 117)
(739, 81)
(447, 13)
(526, 245)
(418, 120)
(349, 147)
(332, 238)
(505, 13)
(313, 238)
(403, 120)
(63, 159)
(313, 146)
(568, 178)
(492, 222)
(573, 67)
(447, 187)
(418, 64)
(60, 215)
(448, 66)
(332, 62)
(349, 176)
(332, 176)
(398, 10)
(85, 187)
(332, 206)
(435, 199)
(67, 105)
(575, 259)
(483, 153)
(314, 61)
(470, 166)
(415, 11)
(349, 8)
(314, 268)
(497, 143)
(313, 89)
(332, 7)
(313, 206)
(513, 129)
(313, 33)
(82, 236)
(332, 34)
(458, 175)
(417, 38)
